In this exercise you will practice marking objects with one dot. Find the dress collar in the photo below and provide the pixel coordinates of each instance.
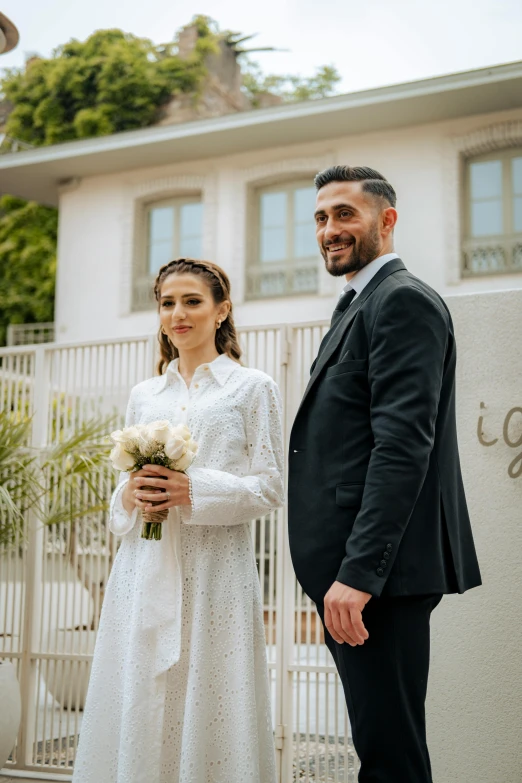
(220, 369)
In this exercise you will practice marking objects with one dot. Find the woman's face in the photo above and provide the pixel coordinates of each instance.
(188, 313)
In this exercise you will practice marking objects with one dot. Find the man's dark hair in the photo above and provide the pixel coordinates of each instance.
(373, 182)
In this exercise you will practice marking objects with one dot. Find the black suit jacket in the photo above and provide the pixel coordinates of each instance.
(376, 498)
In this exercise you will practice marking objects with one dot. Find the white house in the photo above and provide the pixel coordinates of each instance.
(238, 190)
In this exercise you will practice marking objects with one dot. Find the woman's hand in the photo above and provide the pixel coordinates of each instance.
(171, 484)
(128, 497)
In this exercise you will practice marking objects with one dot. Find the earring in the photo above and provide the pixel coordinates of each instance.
(218, 324)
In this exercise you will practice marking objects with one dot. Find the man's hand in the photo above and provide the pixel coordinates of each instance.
(343, 607)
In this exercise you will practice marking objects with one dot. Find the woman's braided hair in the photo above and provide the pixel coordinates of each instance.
(219, 284)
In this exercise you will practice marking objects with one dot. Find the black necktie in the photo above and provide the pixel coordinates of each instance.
(341, 305)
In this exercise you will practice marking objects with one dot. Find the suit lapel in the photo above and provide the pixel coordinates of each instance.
(344, 322)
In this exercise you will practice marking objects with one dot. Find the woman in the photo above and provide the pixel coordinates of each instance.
(179, 686)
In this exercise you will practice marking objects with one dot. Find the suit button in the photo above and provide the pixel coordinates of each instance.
(386, 555)
(384, 563)
(380, 572)
(389, 547)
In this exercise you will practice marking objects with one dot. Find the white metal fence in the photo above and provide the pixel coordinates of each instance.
(52, 584)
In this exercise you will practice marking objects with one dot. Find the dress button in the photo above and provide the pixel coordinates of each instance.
(389, 547)
(386, 555)
(380, 572)
(205, 368)
(196, 385)
(183, 407)
(384, 563)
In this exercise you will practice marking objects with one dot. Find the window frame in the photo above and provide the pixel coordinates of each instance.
(142, 278)
(509, 239)
(255, 267)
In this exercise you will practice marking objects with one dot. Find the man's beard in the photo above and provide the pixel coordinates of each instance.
(363, 252)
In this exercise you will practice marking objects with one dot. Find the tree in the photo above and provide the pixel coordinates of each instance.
(112, 82)
(28, 235)
(289, 87)
(115, 81)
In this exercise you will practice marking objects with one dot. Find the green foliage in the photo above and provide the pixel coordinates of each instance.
(61, 483)
(112, 82)
(19, 488)
(28, 234)
(208, 35)
(76, 468)
(290, 88)
(115, 81)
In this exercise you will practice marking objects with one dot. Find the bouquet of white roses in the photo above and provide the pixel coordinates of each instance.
(157, 443)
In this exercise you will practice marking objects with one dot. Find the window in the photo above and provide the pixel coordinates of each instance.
(284, 252)
(170, 229)
(493, 225)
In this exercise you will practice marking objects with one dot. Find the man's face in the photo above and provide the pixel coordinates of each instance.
(347, 225)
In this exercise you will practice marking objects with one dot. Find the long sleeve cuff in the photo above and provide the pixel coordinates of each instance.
(221, 498)
(185, 512)
(208, 490)
(120, 522)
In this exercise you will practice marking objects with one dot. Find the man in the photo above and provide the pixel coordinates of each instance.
(379, 528)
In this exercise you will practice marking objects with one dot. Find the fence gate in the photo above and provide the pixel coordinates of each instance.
(51, 587)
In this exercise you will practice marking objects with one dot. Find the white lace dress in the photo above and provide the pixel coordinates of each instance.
(179, 686)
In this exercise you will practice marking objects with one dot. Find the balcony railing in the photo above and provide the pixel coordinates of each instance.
(492, 256)
(30, 334)
(142, 293)
(268, 280)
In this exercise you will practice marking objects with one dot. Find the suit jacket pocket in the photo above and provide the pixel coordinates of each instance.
(349, 495)
(352, 365)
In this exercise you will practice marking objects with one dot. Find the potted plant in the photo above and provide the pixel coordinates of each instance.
(65, 485)
(77, 504)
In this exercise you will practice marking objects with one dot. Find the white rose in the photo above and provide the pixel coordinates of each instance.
(174, 447)
(126, 436)
(182, 431)
(145, 443)
(131, 434)
(121, 459)
(185, 461)
(192, 446)
(159, 431)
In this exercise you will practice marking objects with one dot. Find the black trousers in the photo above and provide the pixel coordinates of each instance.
(385, 682)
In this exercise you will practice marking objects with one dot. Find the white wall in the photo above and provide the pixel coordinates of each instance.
(475, 690)
(96, 222)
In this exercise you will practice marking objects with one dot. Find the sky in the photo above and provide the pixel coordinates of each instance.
(372, 43)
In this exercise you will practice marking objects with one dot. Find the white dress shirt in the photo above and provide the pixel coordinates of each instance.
(360, 280)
